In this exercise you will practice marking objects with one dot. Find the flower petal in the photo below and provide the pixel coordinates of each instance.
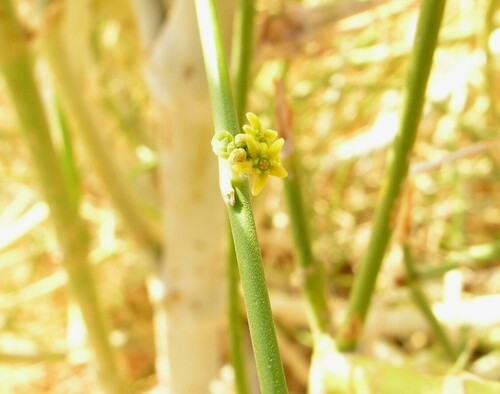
(245, 167)
(259, 183)
(269, 135)
(274, 150)
(254, 120)
(278, 170)
(250, 130)
(254, 148)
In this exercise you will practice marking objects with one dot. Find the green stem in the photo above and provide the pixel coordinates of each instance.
(421, 302)
(420, 65)
(68, 157)
(243, 55)
(479, 254)
(312, 272)
(255, 293)
(264, 342)
(242, 50)
(72, 234)
(70, 90)
(470, 257)
(235, 321)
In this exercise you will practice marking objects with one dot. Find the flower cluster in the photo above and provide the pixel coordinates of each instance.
(256, 152)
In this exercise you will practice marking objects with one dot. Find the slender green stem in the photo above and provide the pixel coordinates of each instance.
(259, 313)
(471, 256)
(223, 109)
(70, 90)
(72, 234)
(313, 276)
(422, 303)
(420, 65)
(68, 157)
(312, 272)
(242, 50)
(264, 342)
(235, 321)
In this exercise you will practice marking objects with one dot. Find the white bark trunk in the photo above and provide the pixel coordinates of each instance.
(187, 292)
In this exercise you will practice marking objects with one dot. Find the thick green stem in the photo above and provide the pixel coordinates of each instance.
(242, 51)
(422, 303)
(235, 321)
(420, 65)
(242, 59)
(16, 64)
(219, 87)
(259, 313)
(265, 345)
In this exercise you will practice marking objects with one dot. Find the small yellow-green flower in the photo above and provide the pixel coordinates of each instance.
(256, 152)
(264, 161)
(255, 129)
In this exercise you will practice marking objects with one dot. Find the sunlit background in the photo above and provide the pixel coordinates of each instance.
(345, 82)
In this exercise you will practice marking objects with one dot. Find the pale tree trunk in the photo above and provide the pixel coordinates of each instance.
(187, 290)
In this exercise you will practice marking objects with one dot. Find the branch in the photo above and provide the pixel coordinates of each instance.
(264, 342)
(418, 74)
(69, 85)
